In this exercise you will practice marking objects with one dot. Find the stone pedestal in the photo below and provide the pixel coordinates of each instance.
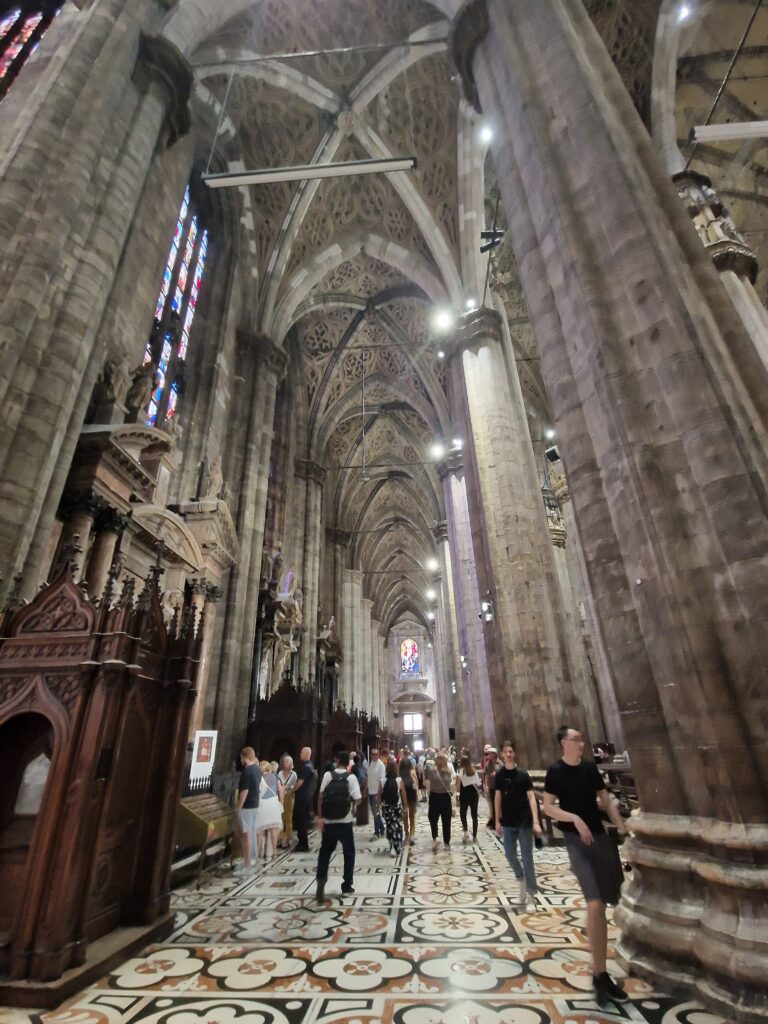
(663, 438)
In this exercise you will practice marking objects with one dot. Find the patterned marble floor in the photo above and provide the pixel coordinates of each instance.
(431, 938)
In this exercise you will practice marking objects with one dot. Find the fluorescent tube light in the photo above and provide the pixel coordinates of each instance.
(301, 172)
(725, 132)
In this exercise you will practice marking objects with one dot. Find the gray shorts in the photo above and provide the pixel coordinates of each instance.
(597, 866)
(247, 819)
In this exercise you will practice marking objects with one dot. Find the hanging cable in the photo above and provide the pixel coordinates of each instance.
(218, 126)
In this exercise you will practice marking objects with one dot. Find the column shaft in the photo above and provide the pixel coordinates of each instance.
(660, 403)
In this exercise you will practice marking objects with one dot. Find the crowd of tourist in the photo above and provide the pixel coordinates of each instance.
(277, 801)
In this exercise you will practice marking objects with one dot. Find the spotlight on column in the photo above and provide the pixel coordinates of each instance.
(440, 354)
(486, 610)
(683, 12)
(431, 595)
(432, 564)
(486, 133)
(552, 454)
(471, 303)
(550, 434)
(442, 320)
(431, 616)
(437, 451)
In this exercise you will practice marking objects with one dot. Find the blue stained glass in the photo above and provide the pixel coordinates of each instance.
(7, 23)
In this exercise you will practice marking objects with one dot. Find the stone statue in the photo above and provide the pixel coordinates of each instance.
(113, 381)
(143, 381)
(332, 627)
(214, 480)
(266, 565)
(298, 598)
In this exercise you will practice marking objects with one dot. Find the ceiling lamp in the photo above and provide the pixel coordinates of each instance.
(443, 320)
(432, 564)
(549, 434)
(431, 595)
(431, 616)
(304, 172)
(486, 133)
(683, 12)
(437, 451)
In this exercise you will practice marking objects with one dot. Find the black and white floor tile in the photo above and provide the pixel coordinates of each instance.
(428, 938)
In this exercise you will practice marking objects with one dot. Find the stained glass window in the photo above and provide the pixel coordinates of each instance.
(175, 310)
(21, 29)
(409, 658)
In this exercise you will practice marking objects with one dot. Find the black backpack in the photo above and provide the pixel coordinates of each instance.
(389, 794)
(336, 800)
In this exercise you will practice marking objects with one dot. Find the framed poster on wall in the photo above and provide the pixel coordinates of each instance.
(203, 753)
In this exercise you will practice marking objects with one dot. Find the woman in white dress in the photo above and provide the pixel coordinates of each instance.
(269, 817)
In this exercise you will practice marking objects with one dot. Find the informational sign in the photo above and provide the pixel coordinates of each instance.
(203, 754)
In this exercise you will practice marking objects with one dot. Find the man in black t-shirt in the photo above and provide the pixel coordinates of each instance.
(303, 792)
(578, 785)
(247, 804)
(517, 818)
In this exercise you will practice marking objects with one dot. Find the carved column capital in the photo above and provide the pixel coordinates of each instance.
(714, 225)
(469, 29)
(453, 462)
(440, 531)
(475, 329)
(109, 520)
(158, 60)
(337, 536)
(267, 355)
(81, 503)
(306, 469)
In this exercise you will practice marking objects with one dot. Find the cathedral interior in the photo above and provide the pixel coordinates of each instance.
(380, 374)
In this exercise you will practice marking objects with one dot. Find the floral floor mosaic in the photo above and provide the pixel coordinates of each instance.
(429, 938)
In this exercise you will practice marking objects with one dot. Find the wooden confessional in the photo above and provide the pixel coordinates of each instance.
(95, 700)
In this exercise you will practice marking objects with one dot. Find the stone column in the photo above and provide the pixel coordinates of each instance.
(457, 713)
(314, 474)
(376, 667)
(663, 435)
(109, 528)
(528, 670)
(350, 671)
(56, 286)
(729, 251)
(593, 635)
(355, 683)
(80, 509)
(385, 677)
(366, 683)
(472, 681)
(266, 363)
(570, 622)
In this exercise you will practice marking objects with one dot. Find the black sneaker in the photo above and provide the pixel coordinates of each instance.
(347, 890)
(320, 894)
(606, 989)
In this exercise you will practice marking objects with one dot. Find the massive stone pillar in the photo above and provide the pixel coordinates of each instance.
(459, 559)
(351, 628)
(265, 363)
(376, 667)
(660, 403)
(314, 474)
(366, 687)
(569, 618)
(65, 255)
(449, 678)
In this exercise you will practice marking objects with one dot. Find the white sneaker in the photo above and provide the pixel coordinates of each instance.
(242, 872)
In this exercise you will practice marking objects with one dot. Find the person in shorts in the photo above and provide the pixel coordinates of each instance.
(248, 807)
(572, 790)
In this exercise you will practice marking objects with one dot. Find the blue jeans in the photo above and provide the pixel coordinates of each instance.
(378, 824)
(524, 836)
(333, 833)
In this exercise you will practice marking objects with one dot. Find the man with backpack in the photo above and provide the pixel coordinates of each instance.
(339, 797)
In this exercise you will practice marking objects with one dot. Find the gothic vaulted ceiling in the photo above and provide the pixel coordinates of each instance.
(347, 272)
